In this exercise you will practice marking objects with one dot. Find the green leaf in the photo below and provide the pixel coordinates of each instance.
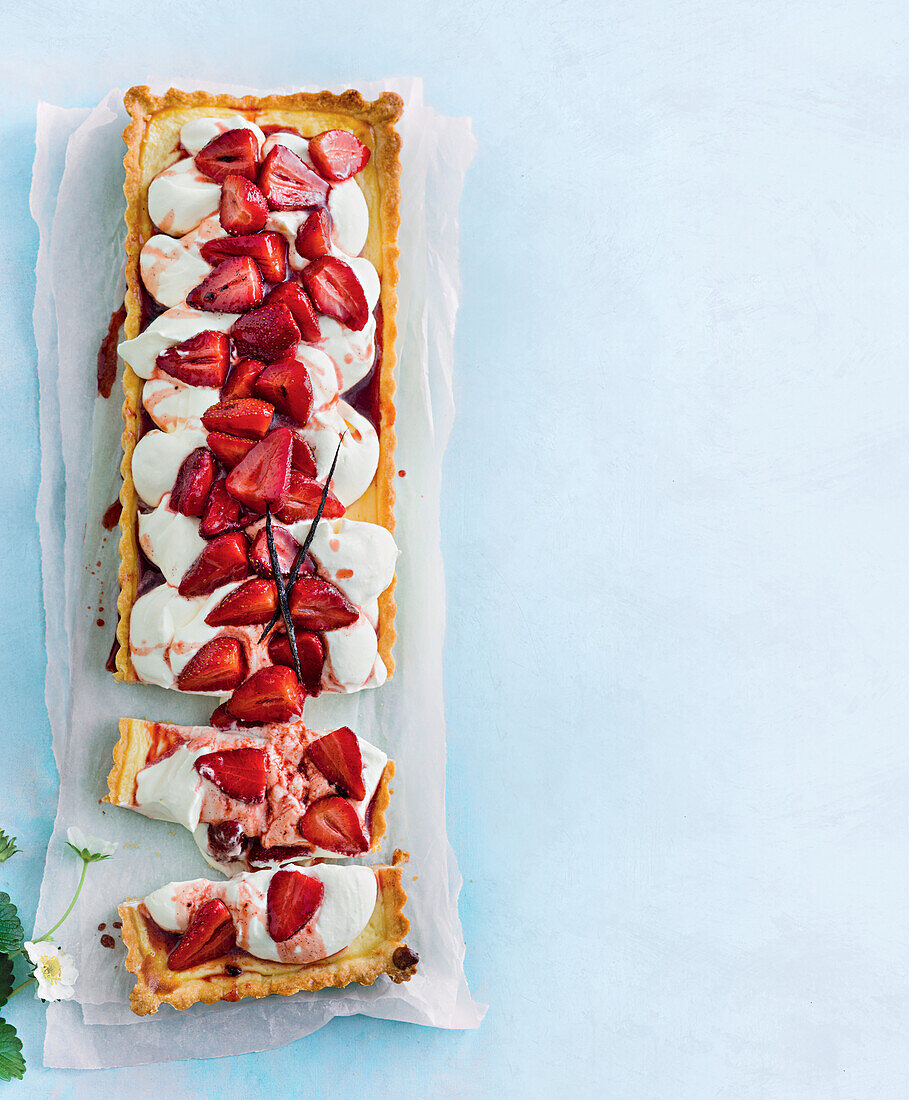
(12, 1064)
(84, 853)
(6, 979)
(11, 934)
(7, 846)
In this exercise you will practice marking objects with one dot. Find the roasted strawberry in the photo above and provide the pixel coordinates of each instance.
(317, 604)
(226, 840)
(292, 295)
(286, 385)
(222, 561)
(246, 416)
(239, 773)
(193, 482)
(222, 513)
(269, 250)
(269, 695)
(209, 934)
(235, 152)
(229, 449)
(337, 756)
(253, 602)
(219, 665)
(336, 291)
(259, 857)
(241, 382)
(303, 458)
(338, 154)
(243, 206)
(314, 235)
(311, 652)
(293, 899)
(233, 286)
(303, 496)
(268, 333)
(222, 719)
(263, 476)
(288, 183)
(202, 360)
(332, 824)
(285, 545)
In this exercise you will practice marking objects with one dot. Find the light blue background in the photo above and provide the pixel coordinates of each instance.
(675, 533)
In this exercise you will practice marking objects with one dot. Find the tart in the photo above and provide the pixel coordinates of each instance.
(275, 931)
(259, 351)
(255, 797)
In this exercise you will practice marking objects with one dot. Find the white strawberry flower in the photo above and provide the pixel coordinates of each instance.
(89, 848)
(55, 971)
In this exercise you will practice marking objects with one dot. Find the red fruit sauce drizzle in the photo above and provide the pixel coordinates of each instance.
(111, 517)
(107, 353)
(364, 395)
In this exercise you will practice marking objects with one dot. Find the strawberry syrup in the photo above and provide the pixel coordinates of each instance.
(107, 353)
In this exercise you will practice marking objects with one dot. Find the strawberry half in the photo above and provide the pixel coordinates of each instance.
(239, 773)
(241, 382)
(246, 416)
(263, 476)
(292, 295)
(193, 482)
(209, 934)
(332, 823)
(251, 603)
(310, 650)
(229, 449)
(336, 291)
(223, 561)
(222, 513)
(202, 360)
(303, 496)
(288, 183)
(293, 899)
(269, 250)
(234, 286)
(267, 333)
(222, 719)
(337, 756)
(317, 604)
(285, 545)
(303, 458)
(314, 235)
(243, 206)
(338, 154)
(219, 665)
(286, 385)
(235, 152)
(269, 695)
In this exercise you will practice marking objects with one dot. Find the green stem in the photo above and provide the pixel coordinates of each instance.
(47, 935)
(19, 988)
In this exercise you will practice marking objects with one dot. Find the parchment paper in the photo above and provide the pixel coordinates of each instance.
(77, 202)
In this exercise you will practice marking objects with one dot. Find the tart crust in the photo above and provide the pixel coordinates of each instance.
(151, 139)
(370, 955)
(138, 736)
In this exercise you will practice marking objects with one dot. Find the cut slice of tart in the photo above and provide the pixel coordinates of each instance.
(277, 931)
(256, 796)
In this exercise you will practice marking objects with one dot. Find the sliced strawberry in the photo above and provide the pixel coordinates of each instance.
(246, 416)
(286, 385)
(292, 295)
(222, 561)
(209, 934)
(317, 604)
(310, 650)
(193, 482)
(293, 899)
(303, 458)
(235, 152)
(239, 773)
(269, 695)
(226, 840)
(222, 719)
(314, 235)
(337, 756)
(232, 287)
(241, 382)
(202, 360)
(243, 206)
(219, 665)
(263, 476)
(260, 857)
(269, 250)
(267, 333)
(332, 823)
(303, 496)
(229, 449)
(336, 291)
(338, 154)
(253, 602)
(285, 544)
(289, 183)
(222, 513)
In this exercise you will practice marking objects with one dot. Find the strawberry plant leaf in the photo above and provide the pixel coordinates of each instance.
(11, 934)
(7, 846)
(6, 979)
(12, 1064)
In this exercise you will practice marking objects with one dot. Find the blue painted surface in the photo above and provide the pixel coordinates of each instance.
(675, 535)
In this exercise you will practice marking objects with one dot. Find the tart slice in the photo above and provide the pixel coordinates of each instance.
(257, 796)
(278, 931)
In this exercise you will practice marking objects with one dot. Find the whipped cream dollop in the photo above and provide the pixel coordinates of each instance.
(170, 539)
(173, 327)
(172, 266)
(181, 196)
(157, 460)
(173, 405)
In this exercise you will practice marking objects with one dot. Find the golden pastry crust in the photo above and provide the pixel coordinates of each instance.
(137, 736)
(371, 954)
(151, 139)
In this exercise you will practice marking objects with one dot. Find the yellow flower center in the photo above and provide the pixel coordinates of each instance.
(50, 969)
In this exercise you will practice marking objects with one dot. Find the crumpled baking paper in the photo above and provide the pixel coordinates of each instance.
(77, 202)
